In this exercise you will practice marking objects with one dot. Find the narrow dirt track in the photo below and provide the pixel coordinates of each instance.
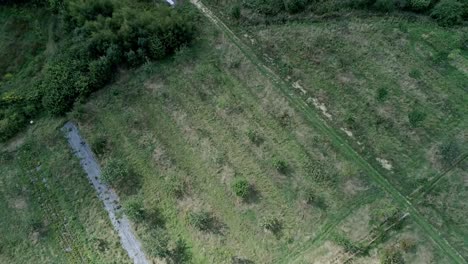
(110, 199)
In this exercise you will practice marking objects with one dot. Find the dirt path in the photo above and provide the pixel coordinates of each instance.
(337, 140)
(110, 199)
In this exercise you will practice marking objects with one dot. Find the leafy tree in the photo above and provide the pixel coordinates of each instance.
(448, 12)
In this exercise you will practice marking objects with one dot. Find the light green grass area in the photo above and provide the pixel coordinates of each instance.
(191, 125)
(50, 213)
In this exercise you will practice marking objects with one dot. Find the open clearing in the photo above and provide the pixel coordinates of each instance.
(188, 139)
(332, 140)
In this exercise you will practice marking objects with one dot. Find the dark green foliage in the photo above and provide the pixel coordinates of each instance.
(382, 94)
(448, 12)
(280, 165)
(295, 6)
(115, 172)
(235, 11)
(201, 220)
(419, 5)
(241, 188)
(384, 5)
(134, 209)
(99, 145)
(102, 36)
(58, 86)
(415, 117)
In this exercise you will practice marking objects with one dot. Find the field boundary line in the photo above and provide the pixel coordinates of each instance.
(337, 140)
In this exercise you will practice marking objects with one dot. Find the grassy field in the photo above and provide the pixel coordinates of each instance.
(394, 85)
(50, 213)
(192, 125)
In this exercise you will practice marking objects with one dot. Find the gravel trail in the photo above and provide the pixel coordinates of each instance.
(110, 199)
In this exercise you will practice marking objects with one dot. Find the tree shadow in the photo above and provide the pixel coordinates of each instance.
(254, 196)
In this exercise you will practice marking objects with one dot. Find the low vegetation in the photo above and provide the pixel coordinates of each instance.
(212, 163)
(95, 39)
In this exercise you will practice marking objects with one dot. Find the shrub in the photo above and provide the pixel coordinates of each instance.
(384, 5)
(448, 12)
(415, 74)
(156, 48)
(134, 209)
(180, 253)
(382, 94)
(272, 224)
(312, 199)
(99, 145)
(235, 11)
(116, 172)
(419, 5)
(295, 6)
(415, 117)
(391, 256)
(254, 137)
(407, 244)
(57, 87)
(241, 188)
(100, 72)
(200, 220)
(280, 165)
(156, 243)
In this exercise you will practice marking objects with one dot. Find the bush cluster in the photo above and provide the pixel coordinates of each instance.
(202, 220)
(446, 12)
(100, 37)
(241, 188)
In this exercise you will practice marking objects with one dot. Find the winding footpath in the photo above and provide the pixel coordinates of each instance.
(336, 139)
(110, 199)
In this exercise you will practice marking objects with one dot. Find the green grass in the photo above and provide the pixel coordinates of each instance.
(48, 206)
(184, 124)
(417, 150)
(191, 125)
